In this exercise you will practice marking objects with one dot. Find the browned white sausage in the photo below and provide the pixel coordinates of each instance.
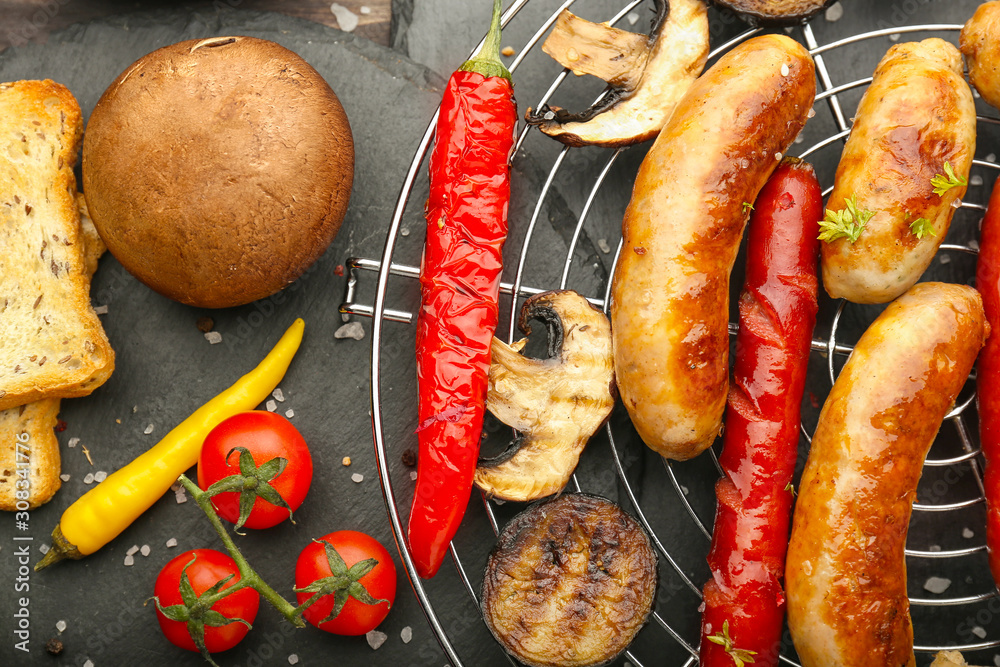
(682, 230)
(980, 43)
(845, 573)
(917, 115)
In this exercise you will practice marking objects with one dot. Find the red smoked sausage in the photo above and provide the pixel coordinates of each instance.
(760, 444)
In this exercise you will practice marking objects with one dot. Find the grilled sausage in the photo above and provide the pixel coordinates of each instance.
(759, 449)
(845, 572)
(682, 230)
(980, 44)
(988, 374)
(917, 116)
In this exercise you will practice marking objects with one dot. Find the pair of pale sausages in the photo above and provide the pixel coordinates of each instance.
(670, 303)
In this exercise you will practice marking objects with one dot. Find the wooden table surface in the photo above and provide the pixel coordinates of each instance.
(23, 21)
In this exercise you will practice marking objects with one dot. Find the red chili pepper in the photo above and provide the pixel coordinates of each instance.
(988, 373)
(460, 283)
(744, 600)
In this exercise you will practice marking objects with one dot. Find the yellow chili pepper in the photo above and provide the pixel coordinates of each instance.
(110, 507)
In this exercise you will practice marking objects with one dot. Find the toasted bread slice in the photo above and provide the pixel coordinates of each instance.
(33, 425)
(29, 440)
(53, 343)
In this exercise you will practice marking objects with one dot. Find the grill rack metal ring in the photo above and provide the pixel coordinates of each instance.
(517, 290)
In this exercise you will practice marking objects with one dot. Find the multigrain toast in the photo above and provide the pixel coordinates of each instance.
(33, 425)
(53, 345)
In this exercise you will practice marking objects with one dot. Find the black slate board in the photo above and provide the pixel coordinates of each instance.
(166, 369)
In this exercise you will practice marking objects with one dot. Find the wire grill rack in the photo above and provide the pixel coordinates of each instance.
(950, 498)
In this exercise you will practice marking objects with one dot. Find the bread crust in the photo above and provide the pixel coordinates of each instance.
(27, 436)
(53, 343)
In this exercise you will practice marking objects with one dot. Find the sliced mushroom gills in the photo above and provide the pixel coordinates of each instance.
(555, 404)
(647, 76)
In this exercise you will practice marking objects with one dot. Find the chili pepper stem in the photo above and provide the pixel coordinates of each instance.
(487, 61)
(248, 576)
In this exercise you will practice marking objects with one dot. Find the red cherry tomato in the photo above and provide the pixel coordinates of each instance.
(209, 568)
(356, 618)
(266, 435)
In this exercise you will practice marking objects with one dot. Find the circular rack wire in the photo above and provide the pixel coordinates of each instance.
(941, 619)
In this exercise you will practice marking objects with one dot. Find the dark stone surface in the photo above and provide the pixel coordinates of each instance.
(166, 368)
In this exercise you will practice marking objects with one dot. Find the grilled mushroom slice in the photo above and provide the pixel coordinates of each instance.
(570, 583)
(555, 404)
(775, 12)
(647, 76)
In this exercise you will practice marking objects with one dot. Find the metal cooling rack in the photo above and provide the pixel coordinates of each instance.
(954, 621)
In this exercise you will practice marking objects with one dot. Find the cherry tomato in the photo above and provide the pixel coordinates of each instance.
(209, 568)
(356, 618)
(266, 435)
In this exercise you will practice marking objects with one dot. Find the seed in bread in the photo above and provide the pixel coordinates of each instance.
(53, 345)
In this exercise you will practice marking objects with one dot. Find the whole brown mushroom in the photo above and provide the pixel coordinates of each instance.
(218, 170)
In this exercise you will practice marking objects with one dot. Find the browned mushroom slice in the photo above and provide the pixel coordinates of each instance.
(570, 583)
(555, 404)
(775, 12)
(647, 76)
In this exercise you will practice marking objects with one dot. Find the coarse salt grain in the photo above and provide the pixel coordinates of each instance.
(213, 337)
(271, 405)
(89, 663)
(967, 533)
(149, 429)
(406, 634)
(289, 413)
(132, 550)
(376, 638)
(603, 245)
(101, 310)
(294, 659)
(413, 475)
(935, 548)
(357, 478)
(811, 114)
(352, 330)
(129, 561)
(100, 476)
(996, 660)
(364, 9)
(778, 156)
(937, 585)
(172, 542)
(64, 477)
(73, 442)
(61, 626)
(44, 548)
(944, 259)
(894, 37)
(979, 632)
(346, 19)
(405, 231)
(834, 12)
(88, 478)
(784, 69)
(976, 181)
(992, 157)
(974, 244)
(279, 395)
(144, 550)
(632, 17)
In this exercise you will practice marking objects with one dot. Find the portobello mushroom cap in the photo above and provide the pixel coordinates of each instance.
(647, 76)
(570, 582)
(775, 12)
(555, 404)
